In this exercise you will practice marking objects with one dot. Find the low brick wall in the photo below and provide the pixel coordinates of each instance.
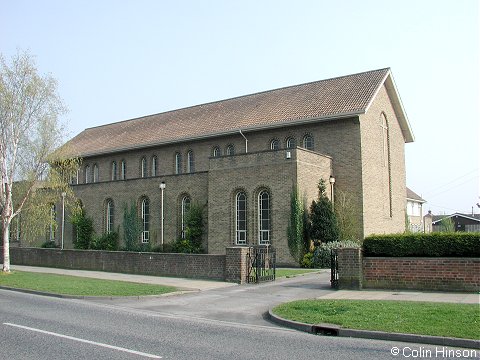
(202, 266)
(435, 274)
(356, 271)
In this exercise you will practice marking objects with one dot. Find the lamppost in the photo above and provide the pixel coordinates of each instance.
(162, 188)
(63, 215)
(332, 181)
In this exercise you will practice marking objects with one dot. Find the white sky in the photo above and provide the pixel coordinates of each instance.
(116, 60)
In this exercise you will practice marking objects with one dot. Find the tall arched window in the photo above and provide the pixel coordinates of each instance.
(216, 152)
(264, 218)
(241, 218)
(185, 208)
(114, 171)
(190, 162)
(178, 163)
(387, 161)
(291, 143)
(308, 142)
(154, 165)
(87, 174)
(274, 144)
(95, 173)
(230, 150)
(145, 220)
(123, 170)
(143, 167)
(53, 222)
(109, 216)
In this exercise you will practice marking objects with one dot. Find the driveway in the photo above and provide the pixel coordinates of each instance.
(243, 304)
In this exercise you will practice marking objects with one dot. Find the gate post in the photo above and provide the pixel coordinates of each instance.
(350, 272)
(236, 264)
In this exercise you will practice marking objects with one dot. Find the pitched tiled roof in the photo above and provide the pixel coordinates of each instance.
(413, 196)
(337, 97)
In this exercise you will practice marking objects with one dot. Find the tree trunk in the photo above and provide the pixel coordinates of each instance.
(6, 246)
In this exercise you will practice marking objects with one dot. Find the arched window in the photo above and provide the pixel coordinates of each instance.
(154, 165)
(190, 162)
(230, 150)
(308, 142)
(178, 163)
(274, 144)
(114, 171)
(95, 173)
(387, 162)
(109, 216)
(185, 208)
(123, 170)
(145, 220)
(87, 174)
(264, 218)
(143, 167)
(291, 143)
(241, 218)
(53, 222)
(216, 152)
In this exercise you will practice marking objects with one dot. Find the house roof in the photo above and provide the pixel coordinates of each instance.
(438, 218)
(322, 100)
(413, 196)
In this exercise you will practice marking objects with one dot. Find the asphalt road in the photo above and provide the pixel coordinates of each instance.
(38, 327)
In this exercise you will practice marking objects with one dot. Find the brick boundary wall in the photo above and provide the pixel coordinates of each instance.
(433, 274)
(407, 273)
(202, 266)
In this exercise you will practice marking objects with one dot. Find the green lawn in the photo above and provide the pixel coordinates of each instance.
(426, 318)
(73, 285)
(292, 272)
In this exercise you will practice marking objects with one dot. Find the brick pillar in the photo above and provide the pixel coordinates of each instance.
(350, 268)
(236, 264)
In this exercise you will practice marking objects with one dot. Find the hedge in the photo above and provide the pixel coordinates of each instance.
(423, 245)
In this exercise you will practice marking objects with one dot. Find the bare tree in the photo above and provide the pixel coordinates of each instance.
(30, 108)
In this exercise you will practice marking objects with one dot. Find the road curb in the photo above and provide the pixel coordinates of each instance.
(82, 297)
(335, 330)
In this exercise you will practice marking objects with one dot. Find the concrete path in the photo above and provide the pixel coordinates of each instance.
(462, 298)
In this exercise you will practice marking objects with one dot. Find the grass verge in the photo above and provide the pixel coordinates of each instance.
(292, 272)
(79, 286)
(422, 318)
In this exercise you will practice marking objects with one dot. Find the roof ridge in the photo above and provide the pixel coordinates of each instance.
(237, 97)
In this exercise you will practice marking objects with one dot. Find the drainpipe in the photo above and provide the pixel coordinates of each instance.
(246, 141)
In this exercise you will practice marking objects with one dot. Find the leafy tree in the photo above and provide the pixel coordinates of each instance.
(347, 214)
(323, 222)
(447, 224)
(30, 131)
(132, 227)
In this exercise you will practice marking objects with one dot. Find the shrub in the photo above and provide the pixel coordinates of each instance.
(423, 245)
(50, 245)
(307, 261)
(297, 239)
(322, 253)
(132, 227)
(321, 256)
(107, 242)
(84, 230)
(186, 247)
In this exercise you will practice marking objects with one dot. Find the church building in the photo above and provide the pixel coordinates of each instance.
(240, 158)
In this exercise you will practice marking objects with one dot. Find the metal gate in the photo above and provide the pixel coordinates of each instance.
(260, 264)
(334, 269)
